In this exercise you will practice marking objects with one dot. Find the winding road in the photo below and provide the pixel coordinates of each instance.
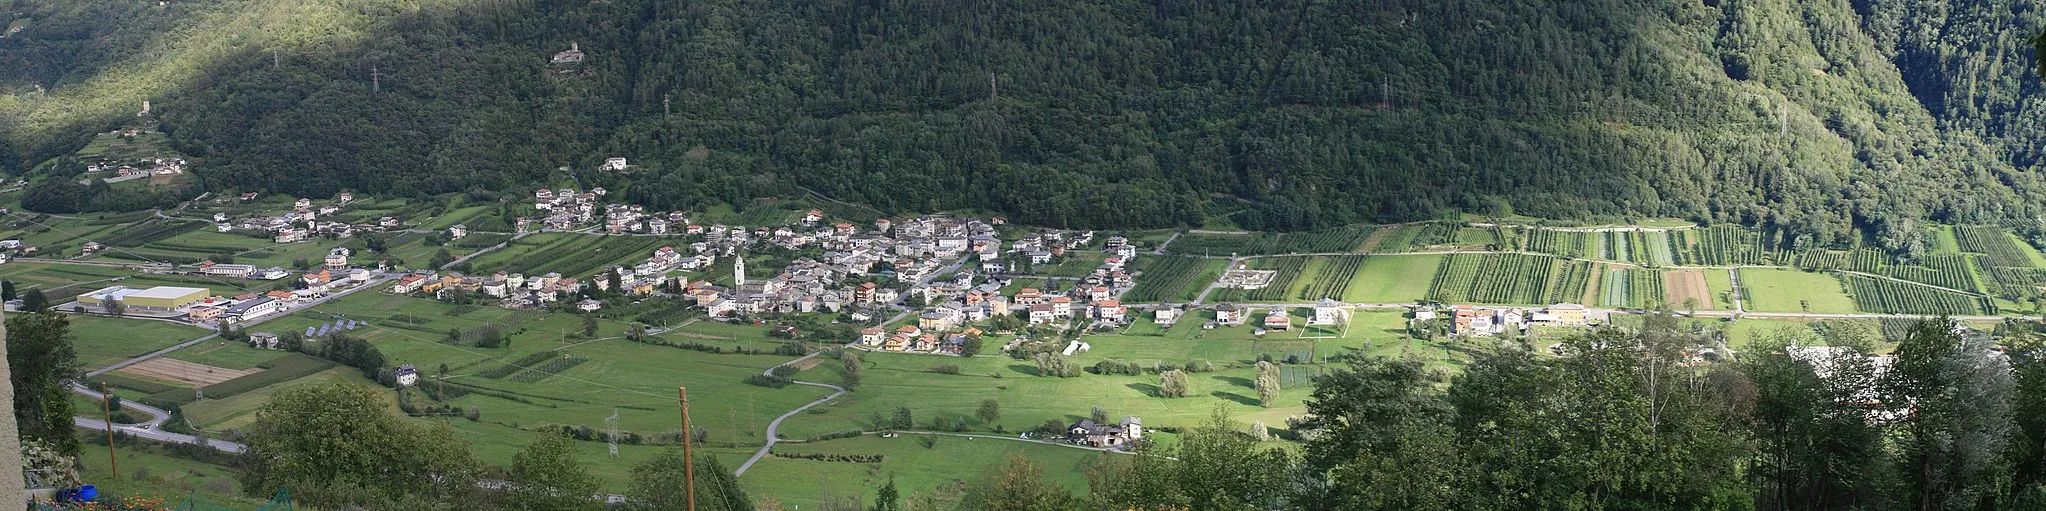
(774, 427)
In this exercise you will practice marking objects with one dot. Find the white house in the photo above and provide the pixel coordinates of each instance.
(406, 375)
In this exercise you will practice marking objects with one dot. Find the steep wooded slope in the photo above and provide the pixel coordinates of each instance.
(1806, 117)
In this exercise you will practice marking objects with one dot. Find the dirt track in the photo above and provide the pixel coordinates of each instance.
(197, 375)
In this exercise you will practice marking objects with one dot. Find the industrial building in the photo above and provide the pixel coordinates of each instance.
(155, 299)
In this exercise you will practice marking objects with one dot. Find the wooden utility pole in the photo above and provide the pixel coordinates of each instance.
(106, 407)
(688, 437)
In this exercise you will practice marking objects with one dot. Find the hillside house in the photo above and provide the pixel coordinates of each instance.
(406, 375)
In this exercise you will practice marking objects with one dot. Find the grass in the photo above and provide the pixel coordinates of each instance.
(1720, 283)
(240, 410)
(145, 471)
(1074, 264)
(102, 341)
(892, 380)
(1392, 279)
(1777, 290)
(914, 467)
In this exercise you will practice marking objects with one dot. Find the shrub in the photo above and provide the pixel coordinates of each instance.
(946, 369)
(773, 382)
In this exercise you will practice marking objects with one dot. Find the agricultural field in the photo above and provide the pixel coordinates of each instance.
(1892, 297)
(1997, 247)
(1340, 239)
(636, 379)
(1727, 245)
(1573, 244)
(59, 282)
(573, 255)
(1492, 278)
(1778, 290)
(1571, 279)
(1168, 278)
(1689, 288)
(103, 341)
(1389, 239)
(1392, 279)
(1950, 271)
(1288, 269)
(1073, 264)
(1329, 277)
(1631, 288)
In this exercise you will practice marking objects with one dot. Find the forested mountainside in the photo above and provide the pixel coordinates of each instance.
(1808, 118)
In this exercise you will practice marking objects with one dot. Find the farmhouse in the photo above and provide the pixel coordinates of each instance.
(1229, 315)
(1087, 432)
(1278, 320)
(155, 299)
(406, 375)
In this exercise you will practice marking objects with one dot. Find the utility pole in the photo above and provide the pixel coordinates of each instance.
(688, 437)
(376, 83)
(992, 94)
(1783, 123)
(106, 407)
(667, 109)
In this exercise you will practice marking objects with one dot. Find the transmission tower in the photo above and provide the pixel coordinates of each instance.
(611, 423)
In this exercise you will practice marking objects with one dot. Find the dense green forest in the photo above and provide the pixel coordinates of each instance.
(1812, 119)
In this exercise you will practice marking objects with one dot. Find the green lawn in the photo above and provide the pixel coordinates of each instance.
(1392, 279)
(102, 341)
(1720, 282)
(1074, 264)
(1778, 290)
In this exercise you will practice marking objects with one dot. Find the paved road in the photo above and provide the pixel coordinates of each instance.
(773, 427)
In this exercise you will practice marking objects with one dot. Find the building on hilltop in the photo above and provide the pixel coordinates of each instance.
(573, 55)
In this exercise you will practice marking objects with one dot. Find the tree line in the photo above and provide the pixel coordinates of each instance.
(1950, 420)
